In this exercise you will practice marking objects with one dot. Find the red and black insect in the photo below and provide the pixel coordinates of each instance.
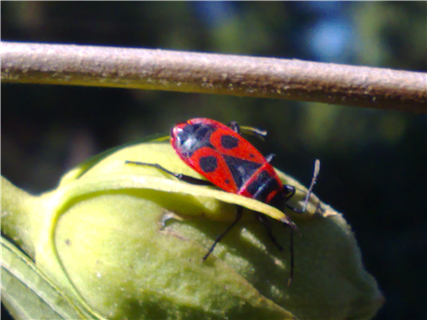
(228, 161)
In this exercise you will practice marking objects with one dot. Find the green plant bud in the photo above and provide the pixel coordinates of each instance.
(127, 242)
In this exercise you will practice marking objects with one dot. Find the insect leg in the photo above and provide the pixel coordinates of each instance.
(260, 134)
(269, 157)
(291, 247)
(261, 218)
(238, 217)
(179, 176)
(234, 125)
(289, 192)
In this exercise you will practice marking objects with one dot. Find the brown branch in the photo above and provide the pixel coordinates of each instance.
(214, 73)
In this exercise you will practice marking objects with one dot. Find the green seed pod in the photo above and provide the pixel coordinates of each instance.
(127, 242)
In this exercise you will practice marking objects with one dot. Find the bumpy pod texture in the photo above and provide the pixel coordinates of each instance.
(127, 242)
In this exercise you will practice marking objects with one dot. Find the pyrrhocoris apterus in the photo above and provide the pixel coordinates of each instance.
(230, 162)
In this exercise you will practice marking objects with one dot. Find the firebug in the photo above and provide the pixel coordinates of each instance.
(220, 154)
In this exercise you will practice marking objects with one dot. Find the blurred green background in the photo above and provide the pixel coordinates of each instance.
(373, 162)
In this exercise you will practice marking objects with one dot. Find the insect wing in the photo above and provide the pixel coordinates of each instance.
(212, 165)
(230, 143)
(218, 153)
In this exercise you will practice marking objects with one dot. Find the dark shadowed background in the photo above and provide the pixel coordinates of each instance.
(374, 163)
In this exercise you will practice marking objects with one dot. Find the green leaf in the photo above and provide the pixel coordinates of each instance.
(28, 294)
(86, 165)
(127, 241)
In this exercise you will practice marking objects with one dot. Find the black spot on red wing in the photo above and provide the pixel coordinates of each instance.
(229, 142)
(208, 164)
(241, 169)
(262, 186)
(251, 155)
(227, 181)
(193, 137)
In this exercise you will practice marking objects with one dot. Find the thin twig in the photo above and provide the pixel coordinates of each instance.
(214, 73)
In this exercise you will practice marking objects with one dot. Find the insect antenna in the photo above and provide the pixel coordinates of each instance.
(313, 182)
